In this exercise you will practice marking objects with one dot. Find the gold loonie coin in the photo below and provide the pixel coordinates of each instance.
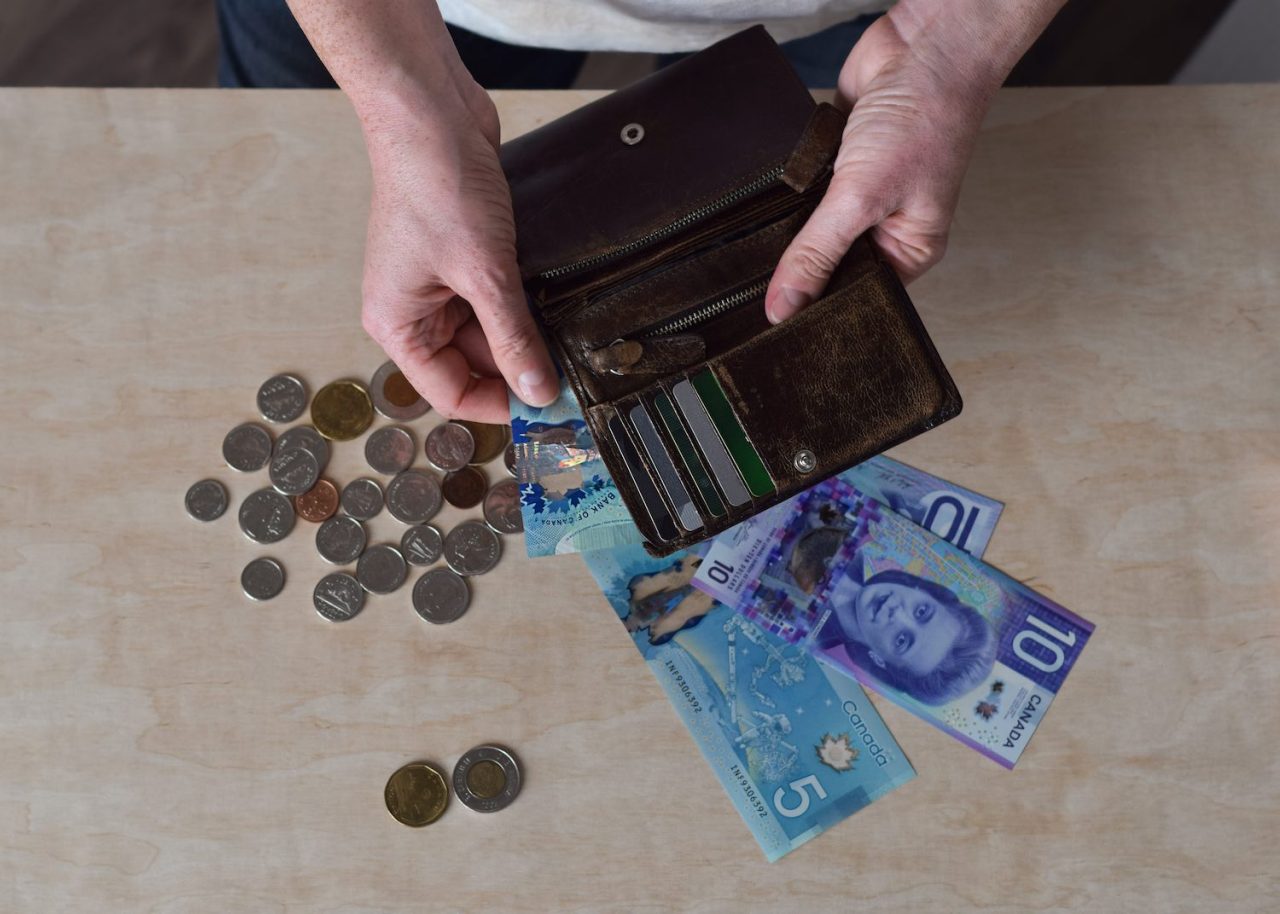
(342, 410)
(491, 440)
(486, 779)
(417, 794)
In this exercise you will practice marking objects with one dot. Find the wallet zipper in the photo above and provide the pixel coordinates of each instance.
(763, 182)
(683, 323)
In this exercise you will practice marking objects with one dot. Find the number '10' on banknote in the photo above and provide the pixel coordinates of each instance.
(937, 631)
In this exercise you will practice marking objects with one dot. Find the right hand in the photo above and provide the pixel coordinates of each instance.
(442, 292)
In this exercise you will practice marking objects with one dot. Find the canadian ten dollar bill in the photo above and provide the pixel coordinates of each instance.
(797, 747)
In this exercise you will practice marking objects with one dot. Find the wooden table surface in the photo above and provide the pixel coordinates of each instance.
(1110, 309)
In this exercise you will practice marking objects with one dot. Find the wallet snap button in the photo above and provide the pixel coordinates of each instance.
(805, 461)
(632, 134)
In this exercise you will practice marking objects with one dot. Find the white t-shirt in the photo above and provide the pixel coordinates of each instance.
(645, 25)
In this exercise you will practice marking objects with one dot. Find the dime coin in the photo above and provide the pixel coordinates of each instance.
(381, 569)
(490, 440)
(304, 436)
(471, 548)
(338, 597)
(487, 779)
(266, 516)
(282, 398)
(422, 544)
(247, 447)
(362, 498)
(318, 503)
(262, 579)
(294, 472)
(413, 497)
(449, 446)
(393, 395)
(509, 458)
(417, 794)
(502, 507)
(441, 596)
(389, 450)
(341, 410)
(340, 540)
(206, 500)
(464, 488)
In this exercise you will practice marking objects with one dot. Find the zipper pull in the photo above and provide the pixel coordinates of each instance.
(659, 355)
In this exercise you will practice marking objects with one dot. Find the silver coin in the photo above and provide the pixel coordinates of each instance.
(389, 450)
(338, 597)
(475, 793)
(340, 540)
(414, 497)
(509, 457)
(502, 507)
(206, 500)
(304, 436)
(381, 569)
(262, 579)
(472, 548)
(266, 516)
(282, 398)
(450, 446)
(247, 447)
(393, 396)
(362, 498)
(294, 472)
(422, 544)
(441, 596)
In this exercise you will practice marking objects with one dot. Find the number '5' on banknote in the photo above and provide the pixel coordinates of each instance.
(946, 636)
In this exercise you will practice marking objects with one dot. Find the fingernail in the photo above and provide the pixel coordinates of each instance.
(795, 298)
(795, 301)
(535, 389)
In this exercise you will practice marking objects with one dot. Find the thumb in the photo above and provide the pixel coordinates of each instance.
(498, 301)
(844, 213)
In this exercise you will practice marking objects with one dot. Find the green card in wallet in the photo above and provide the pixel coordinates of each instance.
(648, 225)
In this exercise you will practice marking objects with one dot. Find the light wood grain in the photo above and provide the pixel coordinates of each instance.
(1110, 309)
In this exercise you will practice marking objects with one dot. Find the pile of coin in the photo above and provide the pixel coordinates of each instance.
(486, 779)
(296, 461)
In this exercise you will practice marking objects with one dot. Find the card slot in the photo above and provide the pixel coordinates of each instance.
(642, 483)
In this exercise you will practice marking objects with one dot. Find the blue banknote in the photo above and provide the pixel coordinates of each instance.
(798, 748)
(567, 498)
(937, 631)
(962, 517)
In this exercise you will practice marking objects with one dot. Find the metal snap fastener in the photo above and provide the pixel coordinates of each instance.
(632, 134)
(805, 461)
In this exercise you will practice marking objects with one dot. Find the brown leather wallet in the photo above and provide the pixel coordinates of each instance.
(648, 225)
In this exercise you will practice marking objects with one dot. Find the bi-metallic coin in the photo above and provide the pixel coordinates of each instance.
(417, 794)
(393, 395)
(389, 450)
(441, 596)
(472, 548)
(381, 569)
(338, 597)
(262, 579)
(502, 507)
(282, 398)
(266, 516)
(464, 488)
(422, 544)
(318, 503)
(414, 497)
(294, 472)
(362, 498)
(490, 440)
(340, 540)
(247, 447)
(487, 778)
(206, 500)
(342, 410)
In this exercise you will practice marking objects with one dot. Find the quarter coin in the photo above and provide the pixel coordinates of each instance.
(449, 446)
(362, 498)
(509, 458)
(304, 436)
(416, 795)
(464, 488)
(206, 500)
(340, 540)
(342, 410)
(318, 503)
(422, 544)
(282, 398)
(490, 440)
(266, 516)
(294, 472)
(262, 579)
(393, 395)
(414, 497)
(441, 596)
(472, 548)
(502, 507)
(389, 450)
(487, 779)
(381, 569)
(338, 597)
(247, 447)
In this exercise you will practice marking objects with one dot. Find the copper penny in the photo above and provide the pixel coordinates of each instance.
(318, 503)
(464, 488)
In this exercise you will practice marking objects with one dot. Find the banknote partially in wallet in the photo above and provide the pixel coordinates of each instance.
(648, 225)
